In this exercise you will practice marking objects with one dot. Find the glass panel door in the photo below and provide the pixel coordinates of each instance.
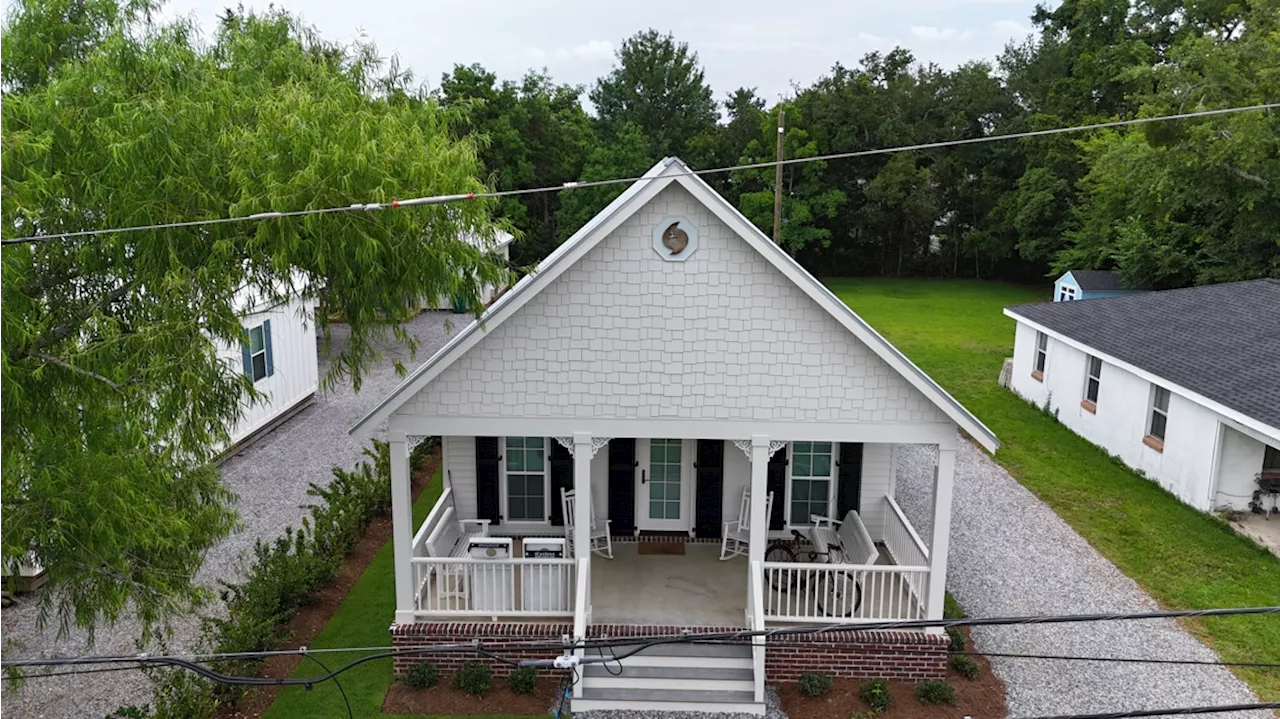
(662, 486)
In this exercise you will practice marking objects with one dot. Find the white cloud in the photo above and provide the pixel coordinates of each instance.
(590, 50)
(1009, 27)
(929, 32)
(876, 41)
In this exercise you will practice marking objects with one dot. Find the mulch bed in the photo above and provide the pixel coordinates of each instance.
(309, 620)
(981, 698)
(446, 699)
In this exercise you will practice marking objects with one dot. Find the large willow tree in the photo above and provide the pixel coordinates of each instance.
(114, 399)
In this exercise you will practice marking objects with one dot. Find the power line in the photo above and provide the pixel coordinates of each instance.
(1122, 660)
(443, 199)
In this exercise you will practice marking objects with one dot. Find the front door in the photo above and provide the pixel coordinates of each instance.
(664, 485)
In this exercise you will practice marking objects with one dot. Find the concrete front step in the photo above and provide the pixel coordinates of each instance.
(681, 700)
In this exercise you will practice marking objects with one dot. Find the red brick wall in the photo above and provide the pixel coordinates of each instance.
(908, 656)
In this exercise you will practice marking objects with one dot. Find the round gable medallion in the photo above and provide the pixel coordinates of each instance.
(675, 239)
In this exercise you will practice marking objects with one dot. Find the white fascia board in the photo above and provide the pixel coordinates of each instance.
(1242, 421)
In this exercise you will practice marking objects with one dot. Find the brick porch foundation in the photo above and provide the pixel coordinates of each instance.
(899, 655)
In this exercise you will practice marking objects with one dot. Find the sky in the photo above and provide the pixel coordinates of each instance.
(766, 45)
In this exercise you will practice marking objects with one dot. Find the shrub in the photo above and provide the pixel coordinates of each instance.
(418, 457)
(876, 694)
(523, 680)
(951, 609)
(936, 691)
(422, 675)
(958, 641)
(473, 678)
(966, 665)
(814, 684)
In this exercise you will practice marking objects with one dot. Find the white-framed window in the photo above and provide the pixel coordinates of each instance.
(811, 481)
(665, 481)
(1093, 378)
(525, 471)
(1042, 352)
(1067, 293)
(1159, 419)
(257, 353)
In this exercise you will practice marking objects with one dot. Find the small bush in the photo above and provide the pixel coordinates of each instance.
(966, 665)
(422, 675)
(876, 694)
(958, 641)
(951, 609)
(814, 684)
(523, 680)
(936, 691)
(473, 678)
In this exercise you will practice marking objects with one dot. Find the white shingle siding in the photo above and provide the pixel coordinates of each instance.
(721, 336)
(876, 461)
(461, 471)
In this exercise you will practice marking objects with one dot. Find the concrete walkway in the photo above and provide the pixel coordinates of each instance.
(271, 478)
(1013, 556)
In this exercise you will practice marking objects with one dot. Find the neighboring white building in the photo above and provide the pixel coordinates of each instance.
(673, 368)
(500, 248)
(280, 359)
(1181, 385)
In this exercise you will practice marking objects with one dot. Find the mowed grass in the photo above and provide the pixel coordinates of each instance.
(955, 331)
(361, 621)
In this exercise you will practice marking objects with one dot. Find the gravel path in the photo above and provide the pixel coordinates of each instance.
(1011, 555)
(271, 479)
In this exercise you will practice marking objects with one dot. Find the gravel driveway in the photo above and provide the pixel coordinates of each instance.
(271, 478)
(1011, 555)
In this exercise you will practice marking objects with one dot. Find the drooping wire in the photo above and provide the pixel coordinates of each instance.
(337, 683)
(1163, 712)
(443, 199)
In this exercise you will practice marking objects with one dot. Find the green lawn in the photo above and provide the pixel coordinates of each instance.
(954, 330)
(361, 621)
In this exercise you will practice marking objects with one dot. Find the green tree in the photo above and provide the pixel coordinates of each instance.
(532, 133)
(626, 156)
(115, 400)
(658, 87)
(807, 197)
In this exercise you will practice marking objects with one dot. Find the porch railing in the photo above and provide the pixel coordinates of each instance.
(581, 613)
(755, 620)
(843, 593)
(900, 538)
(525, 587)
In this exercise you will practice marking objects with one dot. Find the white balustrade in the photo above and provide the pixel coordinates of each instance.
(843, 593)
(900, 538)
(523, 587)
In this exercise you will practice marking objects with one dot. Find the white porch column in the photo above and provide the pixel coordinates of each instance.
(582, 494)
(759, 523)
(943, 484)
(402, 526)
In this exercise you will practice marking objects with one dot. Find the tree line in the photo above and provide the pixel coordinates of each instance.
(1166, 205)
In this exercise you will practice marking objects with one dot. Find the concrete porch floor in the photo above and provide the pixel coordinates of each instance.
(1261, 529)
(696, 589)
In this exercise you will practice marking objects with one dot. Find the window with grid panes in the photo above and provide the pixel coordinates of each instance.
(811, 476)
(1159, 413)
(526, 460)
(1093, 380)
(664, 478)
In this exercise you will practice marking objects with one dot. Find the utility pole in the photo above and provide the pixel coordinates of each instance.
(777, 186)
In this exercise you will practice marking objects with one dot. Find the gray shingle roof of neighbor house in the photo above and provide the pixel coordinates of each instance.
(1097, 280)
(1219, 341)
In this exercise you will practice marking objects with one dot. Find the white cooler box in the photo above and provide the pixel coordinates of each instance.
(493, 586)
(545, 587)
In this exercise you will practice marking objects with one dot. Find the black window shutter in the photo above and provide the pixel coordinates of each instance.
(849, 479)
(622, 486)
(488, 504)
(778, 485)
(561, 478)
(710, 488)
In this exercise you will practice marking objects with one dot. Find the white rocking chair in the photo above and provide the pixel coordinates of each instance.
(601, 539)
(737, 532)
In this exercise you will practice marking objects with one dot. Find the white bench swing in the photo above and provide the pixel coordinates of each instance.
(449, 540)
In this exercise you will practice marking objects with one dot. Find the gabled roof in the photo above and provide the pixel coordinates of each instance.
(1221, 342)
(668, 171)
(1099, 281)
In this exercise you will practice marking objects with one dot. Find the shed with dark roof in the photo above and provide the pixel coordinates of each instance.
(1091, 285)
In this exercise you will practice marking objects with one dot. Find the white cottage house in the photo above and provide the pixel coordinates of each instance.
(1182, 385)
(670, 391)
